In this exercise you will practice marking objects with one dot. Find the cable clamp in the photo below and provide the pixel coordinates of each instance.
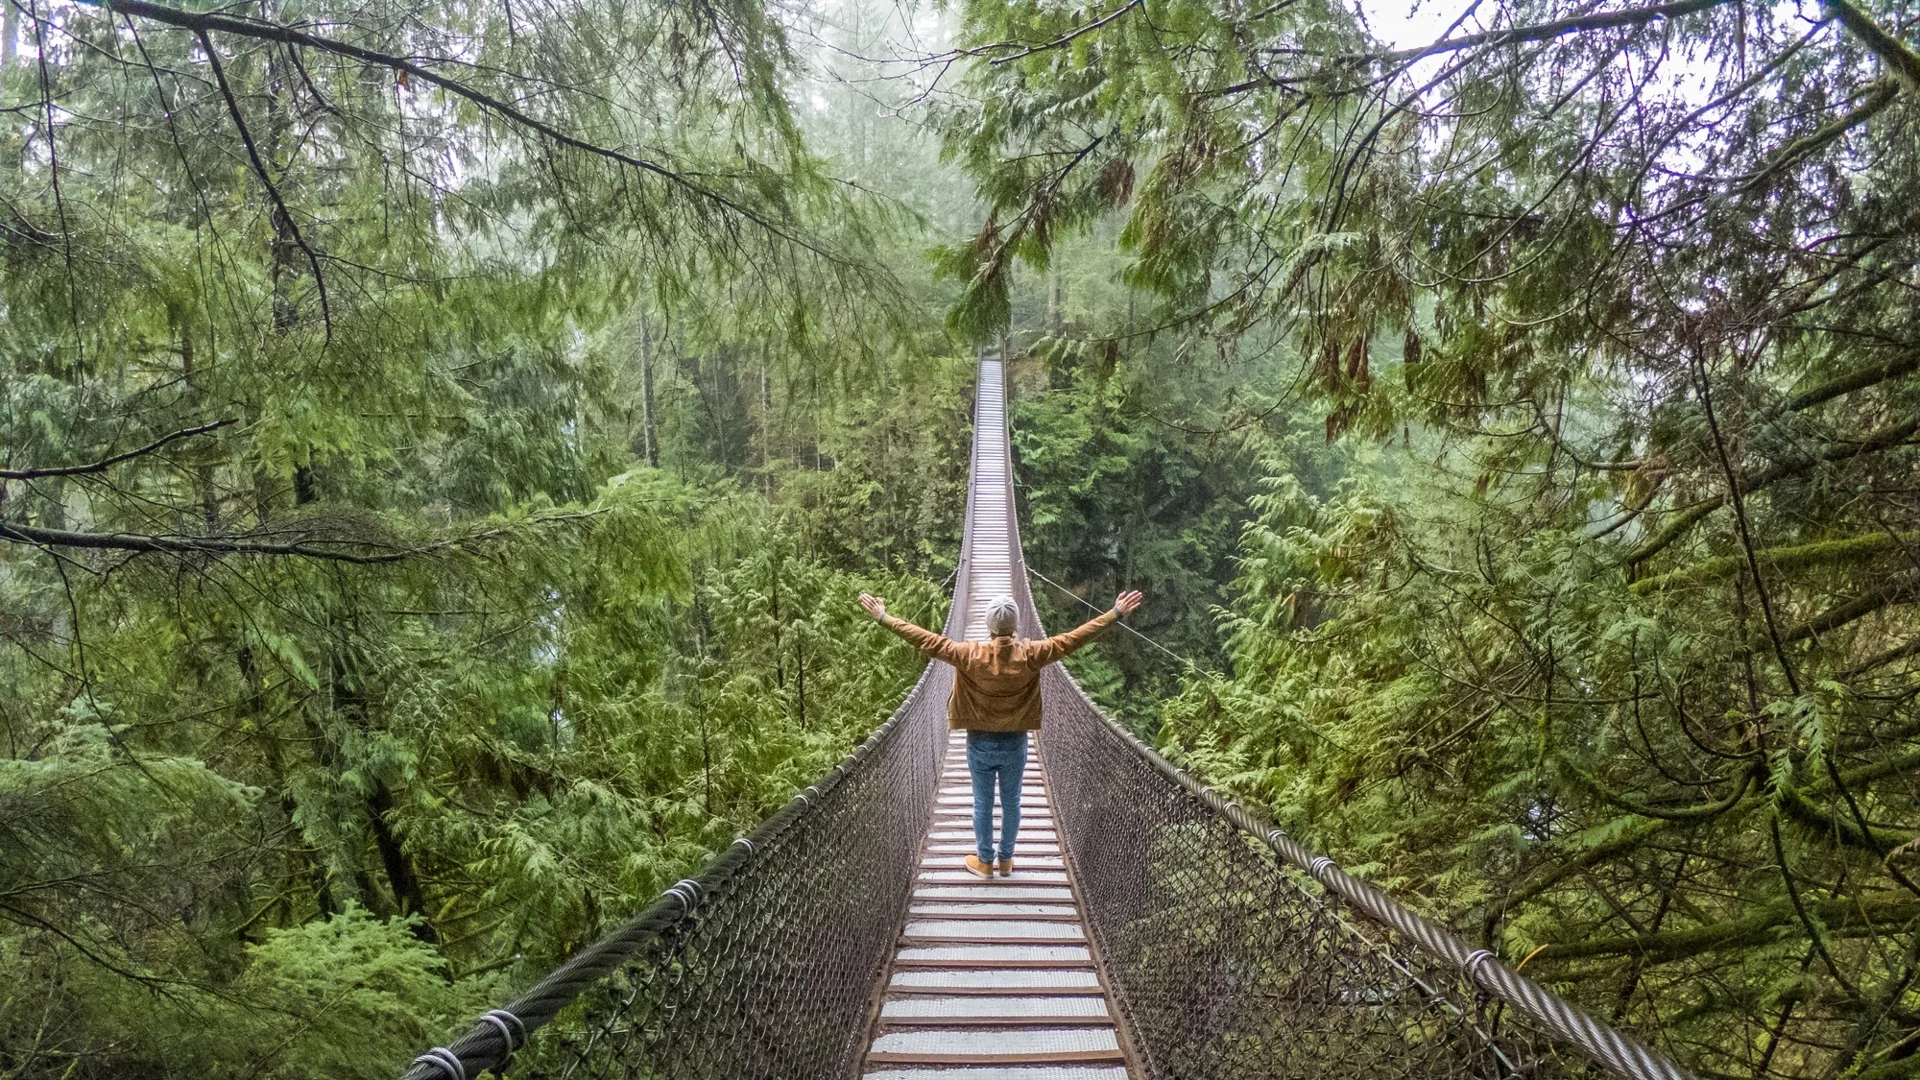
(1319, 865)
(445, 1060)
(1276, 836)
(512, 1032)
(1473, 961)
(747, 843)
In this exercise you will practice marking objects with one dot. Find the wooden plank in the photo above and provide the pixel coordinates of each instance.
(996, 1021)
(1068, 1057)
(902, 963)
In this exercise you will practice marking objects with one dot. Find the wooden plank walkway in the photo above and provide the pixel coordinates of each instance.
(993, 980)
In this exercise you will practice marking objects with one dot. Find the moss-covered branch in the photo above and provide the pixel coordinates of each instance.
(1796, 557)
(1885, 439)
(1761, 925)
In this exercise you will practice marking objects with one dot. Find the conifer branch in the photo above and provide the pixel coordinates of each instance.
(108, 462)
(266, 178)
(161, 543)
(202, 24)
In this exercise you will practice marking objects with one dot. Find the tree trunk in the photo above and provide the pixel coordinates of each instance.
(401, 878)
(766, 427)
(649, 435)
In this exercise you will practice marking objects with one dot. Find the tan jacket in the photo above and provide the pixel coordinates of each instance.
(996, 685)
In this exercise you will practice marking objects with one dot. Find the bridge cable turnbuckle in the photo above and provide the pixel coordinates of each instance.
(445, 1060)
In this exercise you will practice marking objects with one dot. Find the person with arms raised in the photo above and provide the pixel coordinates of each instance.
(996, 700)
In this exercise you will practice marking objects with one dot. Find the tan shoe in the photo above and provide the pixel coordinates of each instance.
(978, 868)
(1005, 866)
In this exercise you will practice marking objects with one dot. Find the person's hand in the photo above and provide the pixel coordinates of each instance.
(1127, 601)
(876, 605)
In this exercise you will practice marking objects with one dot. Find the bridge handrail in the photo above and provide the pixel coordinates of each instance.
(1482, 970)
(1620, 1052)
(493, 1039)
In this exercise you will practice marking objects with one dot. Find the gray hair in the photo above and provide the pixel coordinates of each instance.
(1003, 616)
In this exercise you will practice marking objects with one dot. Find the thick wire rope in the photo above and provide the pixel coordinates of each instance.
(1097, 609)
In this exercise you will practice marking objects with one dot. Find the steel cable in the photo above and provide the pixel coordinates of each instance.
(1226, 966)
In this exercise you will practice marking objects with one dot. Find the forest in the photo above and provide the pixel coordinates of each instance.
(441, 443)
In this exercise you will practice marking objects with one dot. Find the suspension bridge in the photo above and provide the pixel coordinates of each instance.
(1154, 930)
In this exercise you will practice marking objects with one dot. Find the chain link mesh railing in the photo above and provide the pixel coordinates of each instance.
(765, 965)
(1229, 950)
(1229, 961)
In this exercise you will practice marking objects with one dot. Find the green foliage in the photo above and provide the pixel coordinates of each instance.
(1113, 498)
(435, 487)
(1605, 641)
(459, 528)
(346, 996)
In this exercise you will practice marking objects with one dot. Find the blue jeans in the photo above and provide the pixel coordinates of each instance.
(991, 756)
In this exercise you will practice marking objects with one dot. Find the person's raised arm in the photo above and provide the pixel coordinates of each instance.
(1061, 646)
(937, 646)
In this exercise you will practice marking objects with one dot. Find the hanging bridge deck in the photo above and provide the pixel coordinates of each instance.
(993, 980)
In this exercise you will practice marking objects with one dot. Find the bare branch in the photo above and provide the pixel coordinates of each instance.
(1055, 43)
(188, 545)
(266, 178)
(1544, 31)
(370, 552)
(105, 463)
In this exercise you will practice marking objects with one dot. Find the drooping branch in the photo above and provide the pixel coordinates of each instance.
(1544, 31)
(189, 545)
(203, 23)
(266, 178)
(108, 462)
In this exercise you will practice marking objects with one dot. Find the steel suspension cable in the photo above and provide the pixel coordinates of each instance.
(1096, 609)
